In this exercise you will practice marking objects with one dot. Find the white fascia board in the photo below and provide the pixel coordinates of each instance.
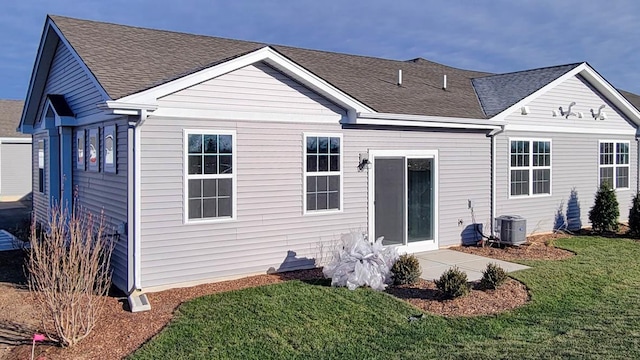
(612, 94)
(567, 130)
(32, 81)
(594, 79)
(427, 121)
(266, 54)
(35, 74)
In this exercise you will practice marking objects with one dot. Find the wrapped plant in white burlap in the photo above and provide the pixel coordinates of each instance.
(361, 263)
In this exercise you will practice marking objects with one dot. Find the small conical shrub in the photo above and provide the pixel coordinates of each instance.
(634, 217)
(493, 277)
(453, 283)
(604, 213)
(406, 270)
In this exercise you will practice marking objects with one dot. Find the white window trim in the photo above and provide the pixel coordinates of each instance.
(530, 168)
(321, 173)
(614, 165)
(186, 176)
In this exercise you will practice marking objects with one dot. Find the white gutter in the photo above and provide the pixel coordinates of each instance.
(427, 121)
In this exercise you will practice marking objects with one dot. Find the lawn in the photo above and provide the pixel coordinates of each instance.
(583, 307)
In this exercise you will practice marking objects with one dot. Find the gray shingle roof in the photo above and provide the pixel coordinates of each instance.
(498, 92)
(633, 98)
(10, 113)
(127, 59)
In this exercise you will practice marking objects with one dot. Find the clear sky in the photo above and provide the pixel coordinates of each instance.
(492, 35)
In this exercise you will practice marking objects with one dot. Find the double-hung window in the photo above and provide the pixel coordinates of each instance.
(323, 172)
(614, 164)
(210, 175)
(530, 167)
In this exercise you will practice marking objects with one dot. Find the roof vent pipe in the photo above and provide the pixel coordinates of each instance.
(399, 77)
(444, 82)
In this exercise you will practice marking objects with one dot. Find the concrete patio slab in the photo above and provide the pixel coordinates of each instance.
(436, 262)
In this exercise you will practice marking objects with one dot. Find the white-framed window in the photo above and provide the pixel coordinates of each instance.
(613, 163)
(529, 167)
(41, 171)
(322, 173)
(210, 175)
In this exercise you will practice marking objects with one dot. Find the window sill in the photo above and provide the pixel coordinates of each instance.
(517, 197)
(321, 212)
(209, 221)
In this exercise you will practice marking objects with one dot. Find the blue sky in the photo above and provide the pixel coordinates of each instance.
(494, 36)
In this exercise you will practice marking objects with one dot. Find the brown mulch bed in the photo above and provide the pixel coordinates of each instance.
(119, 332)
(538, 247)
(425, 296)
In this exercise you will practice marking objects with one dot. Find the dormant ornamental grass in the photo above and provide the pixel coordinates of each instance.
(69, 275)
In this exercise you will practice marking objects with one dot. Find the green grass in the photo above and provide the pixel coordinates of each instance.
(585, 307)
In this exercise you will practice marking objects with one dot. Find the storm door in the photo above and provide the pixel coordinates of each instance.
(404, 200)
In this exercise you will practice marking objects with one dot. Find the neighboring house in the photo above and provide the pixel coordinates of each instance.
(217, 158)
(15, 153)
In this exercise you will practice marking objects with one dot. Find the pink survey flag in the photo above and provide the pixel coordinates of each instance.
(39, 337)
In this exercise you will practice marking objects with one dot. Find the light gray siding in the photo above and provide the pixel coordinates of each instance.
(574, 157)
(270, 230)
(107, 192)
(67, 77)
(577, 90)
(574, 166)
(254, 91)
(15, 170)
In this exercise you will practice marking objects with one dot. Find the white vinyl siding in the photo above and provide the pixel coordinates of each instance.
(529, 167)
(614, 163)
(270, 231)
(322, 172)
(15, 170)
(210, 175)
(575, 159)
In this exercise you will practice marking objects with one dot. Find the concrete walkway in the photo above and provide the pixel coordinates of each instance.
(434, 263)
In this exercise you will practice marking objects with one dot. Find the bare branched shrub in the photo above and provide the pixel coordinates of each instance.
(69, 273)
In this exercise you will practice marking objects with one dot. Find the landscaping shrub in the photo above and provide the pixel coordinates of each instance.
(493, 277)
(604, 213)
(634, 217)
(69, 275)
(406, 270)
(453, 283)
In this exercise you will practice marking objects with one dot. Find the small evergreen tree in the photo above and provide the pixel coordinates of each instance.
(634, 217)
(604, 213)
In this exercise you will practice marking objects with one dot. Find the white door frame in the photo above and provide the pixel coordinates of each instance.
(431, 154)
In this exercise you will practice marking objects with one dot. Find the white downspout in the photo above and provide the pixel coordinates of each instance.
(494, 172)
(137, 200)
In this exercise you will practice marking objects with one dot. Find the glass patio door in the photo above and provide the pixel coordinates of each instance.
(404, 201)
